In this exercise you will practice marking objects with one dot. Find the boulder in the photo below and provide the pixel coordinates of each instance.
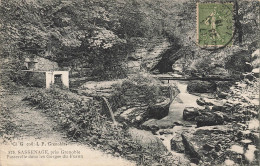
(208, 147)
(177, 67)
(201, 102)
(154, 124)
(201, 87)
(208, 144)
(177, 144)
(159, 110)
(251, 154)
(135, 115)
(223, 86)
(222, 95)
(255, 59)
(151, 125)
(165, 131)
(190, 113)
(217, 108)
(191, 147)
(236, 153)
(148, 140)
(209, 102)
(210, 119)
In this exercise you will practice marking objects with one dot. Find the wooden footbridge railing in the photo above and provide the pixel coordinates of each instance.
(168, 78)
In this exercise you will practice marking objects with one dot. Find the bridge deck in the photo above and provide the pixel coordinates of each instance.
(195, 78)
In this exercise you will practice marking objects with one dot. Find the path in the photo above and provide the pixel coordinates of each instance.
(36, 132)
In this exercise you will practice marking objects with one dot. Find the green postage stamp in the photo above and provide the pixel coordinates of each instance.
(214, 24)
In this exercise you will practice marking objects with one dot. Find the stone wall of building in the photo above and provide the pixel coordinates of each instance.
(37, 63)
(45, 64)
(35, 79)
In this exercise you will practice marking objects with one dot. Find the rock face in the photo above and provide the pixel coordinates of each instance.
(150, 58)
(153, 57)
(201, 87)
(190, 113)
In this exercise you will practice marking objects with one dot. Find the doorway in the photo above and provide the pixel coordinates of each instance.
(57, 80)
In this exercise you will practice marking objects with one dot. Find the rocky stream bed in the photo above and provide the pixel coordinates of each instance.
(206, 123)
(220, 129)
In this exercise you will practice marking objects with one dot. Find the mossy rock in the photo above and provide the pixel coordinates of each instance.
(201, 87)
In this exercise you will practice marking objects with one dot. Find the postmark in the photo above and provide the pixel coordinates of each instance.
(215, 26)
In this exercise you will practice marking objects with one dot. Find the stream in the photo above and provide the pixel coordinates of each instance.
(182, 100)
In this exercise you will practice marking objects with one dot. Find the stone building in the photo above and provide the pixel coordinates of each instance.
(41, 72)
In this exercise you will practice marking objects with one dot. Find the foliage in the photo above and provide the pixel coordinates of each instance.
(202, 65)
(7, 127)
(238, 62)
(101, 34)
(93, 33)
(140, 88)
(82, 119)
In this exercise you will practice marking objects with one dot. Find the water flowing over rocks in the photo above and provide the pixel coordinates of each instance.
(215, 125)
(227, 128)
(175, 116)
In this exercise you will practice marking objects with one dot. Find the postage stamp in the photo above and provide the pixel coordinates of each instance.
(214, 24)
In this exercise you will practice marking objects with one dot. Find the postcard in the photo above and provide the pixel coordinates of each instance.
(129, 82)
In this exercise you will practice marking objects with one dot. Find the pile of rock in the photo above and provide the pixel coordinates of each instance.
(227, 128)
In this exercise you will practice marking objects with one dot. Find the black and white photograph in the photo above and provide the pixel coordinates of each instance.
(129, 83)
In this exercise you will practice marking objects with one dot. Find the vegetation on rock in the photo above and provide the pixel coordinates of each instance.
(81, 117)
